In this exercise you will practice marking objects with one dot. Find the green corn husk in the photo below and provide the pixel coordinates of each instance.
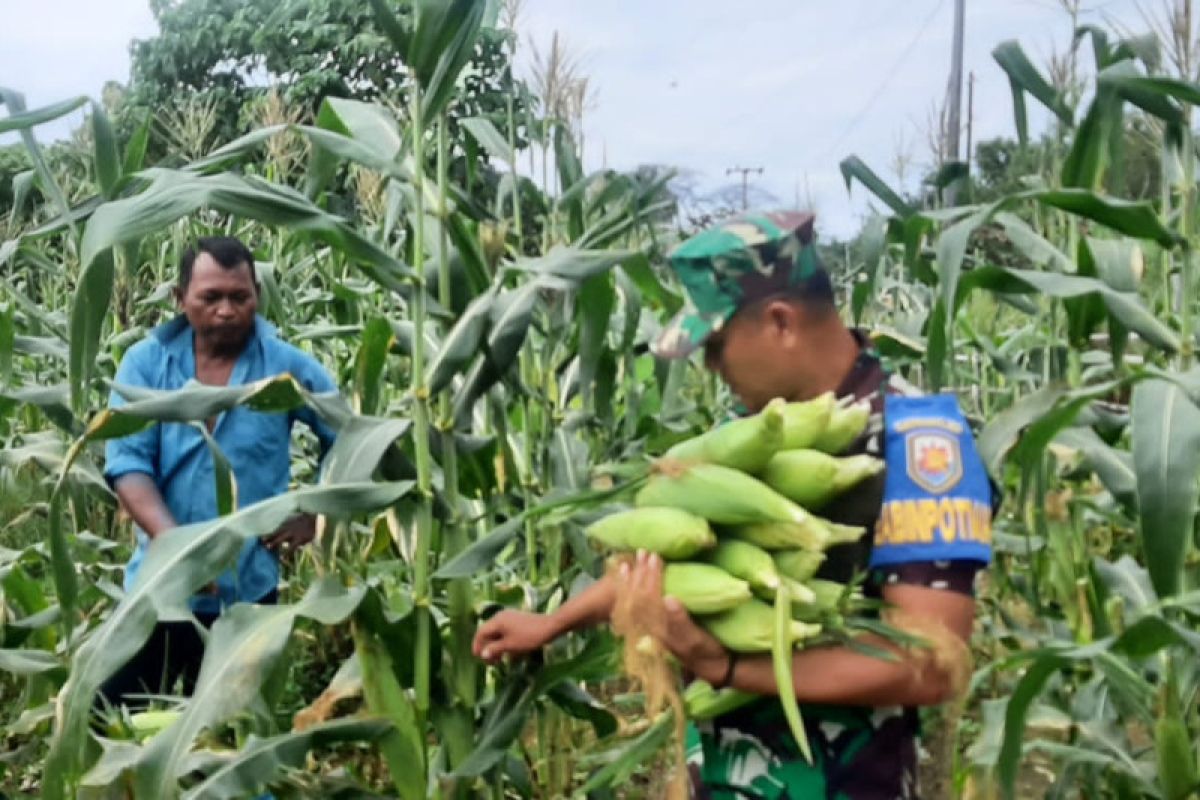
(826, 603)
(813, 533)
(803, 422)
(799, 592)
(745, 444)
(1176, 760)
(719, 494)
(845, 425)
(828, 593)
(746, 561)
(781, 659)
(799, 565)
(701, 701)
(842, 534)
(749, 628)
(670, 532)
(813, 478)
(809, 535)
(148, 723)
(703, 588)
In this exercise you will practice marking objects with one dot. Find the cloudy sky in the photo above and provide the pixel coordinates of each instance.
(791, 86)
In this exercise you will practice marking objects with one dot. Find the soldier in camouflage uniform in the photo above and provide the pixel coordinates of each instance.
(762, 308)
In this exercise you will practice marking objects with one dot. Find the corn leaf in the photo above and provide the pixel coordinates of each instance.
(1166, 455)
(1024, 78)
(483, 131)
(854, 169)
(241, 651)
(1132, 218)
(248, 771)
(182, 561)
(402, 746)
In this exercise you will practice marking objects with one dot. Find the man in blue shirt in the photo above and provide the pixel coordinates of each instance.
(164, 475)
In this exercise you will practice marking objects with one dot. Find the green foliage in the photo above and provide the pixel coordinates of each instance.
(1079, 235)
(13, 161)
(493, 361)
(228, 52)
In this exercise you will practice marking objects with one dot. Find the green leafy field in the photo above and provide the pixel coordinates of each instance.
(488, 325)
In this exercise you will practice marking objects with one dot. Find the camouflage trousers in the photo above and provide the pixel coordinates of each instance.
(858, 754)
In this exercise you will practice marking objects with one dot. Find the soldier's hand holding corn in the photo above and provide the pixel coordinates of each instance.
(698, 652)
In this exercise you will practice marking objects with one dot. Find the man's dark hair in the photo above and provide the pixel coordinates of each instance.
(228, 251)
(814, 293)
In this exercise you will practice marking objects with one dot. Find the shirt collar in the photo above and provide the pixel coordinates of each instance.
(867, 373)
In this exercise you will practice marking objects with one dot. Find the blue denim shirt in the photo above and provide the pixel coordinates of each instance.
(177, 458)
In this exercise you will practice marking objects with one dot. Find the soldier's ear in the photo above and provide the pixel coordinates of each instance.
(781, 317)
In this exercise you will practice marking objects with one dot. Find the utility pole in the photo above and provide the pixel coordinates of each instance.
(954, 121)
(970, 117)
(745, 171)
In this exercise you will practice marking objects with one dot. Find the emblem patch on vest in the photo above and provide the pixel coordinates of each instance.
(934, 460)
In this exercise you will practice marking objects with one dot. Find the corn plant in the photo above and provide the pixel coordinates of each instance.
(1075, 336)
(478, 381)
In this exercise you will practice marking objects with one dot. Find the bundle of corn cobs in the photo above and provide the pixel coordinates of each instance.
(734, 515)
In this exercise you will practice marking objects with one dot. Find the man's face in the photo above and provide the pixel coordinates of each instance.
(757, 353)
(220, 303)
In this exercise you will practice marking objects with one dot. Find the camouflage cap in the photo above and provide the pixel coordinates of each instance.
(734, 263)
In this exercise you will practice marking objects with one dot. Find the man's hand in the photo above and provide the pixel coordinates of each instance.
(697, 650)
(295, 533)
(512, 632)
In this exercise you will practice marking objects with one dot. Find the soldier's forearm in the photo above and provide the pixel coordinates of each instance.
(592, 606)
(841, 676)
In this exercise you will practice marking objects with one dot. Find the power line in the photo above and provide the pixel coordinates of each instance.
(887, 79)
(745, 183)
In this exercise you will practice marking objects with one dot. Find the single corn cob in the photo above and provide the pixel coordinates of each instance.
(719, 494)
(746, 561)
(670, 532)
(702, 701)
(799, 565)
(814, 534)
(148, 723)
(703, 588)
(744, 444)
(810, 534)
(748, 628)
(845, 425)
(804, 422)
(813, 478)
